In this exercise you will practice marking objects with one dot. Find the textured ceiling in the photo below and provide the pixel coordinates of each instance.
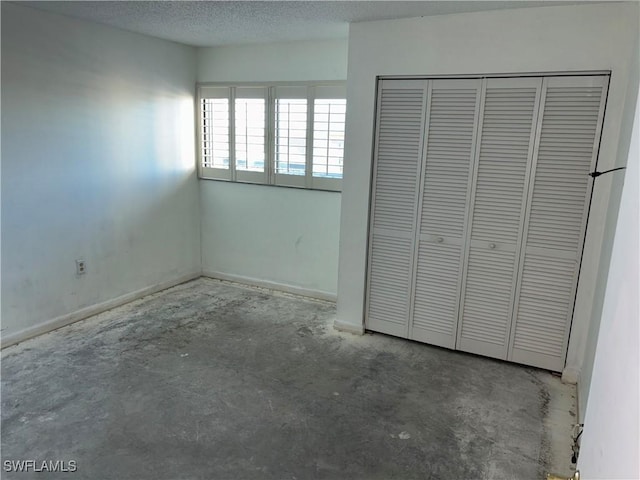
(211, 23)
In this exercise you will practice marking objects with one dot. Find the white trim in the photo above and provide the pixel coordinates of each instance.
(82, 314)
(272, 285)
(311, 108)
(579, 73)
(317, 83)
(571, 375)
(325, 183)
(348, 327)
(287, 180)
(209, 173)
(330, 92)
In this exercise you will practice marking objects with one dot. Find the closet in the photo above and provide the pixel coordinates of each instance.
(479, 204)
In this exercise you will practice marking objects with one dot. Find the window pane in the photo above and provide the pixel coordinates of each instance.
(249, 134)
(215, 133)
(328, 137)
(291, 136)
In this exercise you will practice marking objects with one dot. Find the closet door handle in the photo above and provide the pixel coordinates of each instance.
(492, 246)
(440, 240)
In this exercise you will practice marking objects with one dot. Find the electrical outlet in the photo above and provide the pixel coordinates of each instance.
(81, 267)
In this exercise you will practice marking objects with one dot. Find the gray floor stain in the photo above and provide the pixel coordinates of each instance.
(210, 380)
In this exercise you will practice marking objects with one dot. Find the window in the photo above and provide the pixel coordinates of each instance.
(328, 137)
(215, 151)
(249, 141)
(215, 140)
(249, 134)
(290, 135)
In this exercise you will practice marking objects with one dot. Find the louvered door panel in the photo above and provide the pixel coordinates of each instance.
(543, 305)
(452, 117)
(506, 146)
(399, 136)
(487, 297)
(568, 141)
(389, 278)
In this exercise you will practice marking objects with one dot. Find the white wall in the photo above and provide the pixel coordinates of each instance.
(97, 163)
(292, 61)
(617, 180)
(548, 39)
(610, 442)
(264, 234)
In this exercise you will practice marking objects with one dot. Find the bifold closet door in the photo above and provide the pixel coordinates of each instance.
(480, 200)
(507, 130)
(569, 135)
(397, 163)
(452, 114)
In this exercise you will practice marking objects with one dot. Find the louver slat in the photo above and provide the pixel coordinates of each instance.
(400, 128)
(508, 123)
(568, 141)
(449, 153)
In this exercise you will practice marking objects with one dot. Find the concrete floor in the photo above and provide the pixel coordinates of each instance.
(211, 380)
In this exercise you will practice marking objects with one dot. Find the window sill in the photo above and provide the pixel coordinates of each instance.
(334, 187)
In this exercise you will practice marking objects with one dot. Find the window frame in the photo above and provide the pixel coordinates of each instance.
(271, 92)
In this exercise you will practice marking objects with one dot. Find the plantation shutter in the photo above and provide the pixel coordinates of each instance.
(499, 200)
(397, 159)
(328, 127)
(291, 135)
(446, 181)
(250, 115)
(567, 152)
(214, 132)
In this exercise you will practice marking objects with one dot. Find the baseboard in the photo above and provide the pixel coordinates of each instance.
(64, 320)
(67, 319)
(571, 375)
(348, 327)
(282, 287)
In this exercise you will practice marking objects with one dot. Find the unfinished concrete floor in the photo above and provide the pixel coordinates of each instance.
(211, 380)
